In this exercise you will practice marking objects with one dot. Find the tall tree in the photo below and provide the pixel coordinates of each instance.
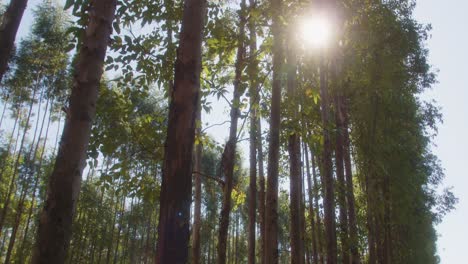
(64, 183)
(327, 169)
(271, 210)
(228, 158)
(176, 188)
(340, 175)
(295, 190)
(254, 99)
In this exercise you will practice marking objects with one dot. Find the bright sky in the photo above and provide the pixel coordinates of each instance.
(448, 53)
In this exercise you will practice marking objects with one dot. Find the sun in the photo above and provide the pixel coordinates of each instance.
(315, 31)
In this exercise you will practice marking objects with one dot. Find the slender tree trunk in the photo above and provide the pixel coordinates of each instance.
(5, 104)
(11, 20)
(11, 187)
(314, 228)
(271, 210)
(353, 232)
(341, 186)
(176, 188)
(329, 197)
(10, 142)
(36, 182)
(297, 256)
(119, 231)
(109, 248)
(319, 222)
(254, 96)
(198, 186)
(229, 154)
(19, 212)
(370, 224)
(54, 151)
(64, 184)
(32, 158)
(261, 192)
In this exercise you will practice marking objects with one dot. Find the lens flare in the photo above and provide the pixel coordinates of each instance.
(315, 31)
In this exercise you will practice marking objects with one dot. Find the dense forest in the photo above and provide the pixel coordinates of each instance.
(107, 154)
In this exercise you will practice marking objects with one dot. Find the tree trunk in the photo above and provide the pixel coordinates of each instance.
(271, 209)
(11, 20)
(353, 231)
(12, 185)
(197, 214)
(119, 231)
(261, 193)
(64, 184)
(297, 256)
(32, 158)
(36, 182)
(254, 96)
(176, 188)
(10, 142)
(329, 197)
(340, 175)
(314, 229)
(228, 158)
(320, 245)
(5, 105)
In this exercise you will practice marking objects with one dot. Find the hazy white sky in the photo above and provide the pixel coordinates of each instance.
(448, 54)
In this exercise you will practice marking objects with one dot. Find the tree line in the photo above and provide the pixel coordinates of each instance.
(107, 157)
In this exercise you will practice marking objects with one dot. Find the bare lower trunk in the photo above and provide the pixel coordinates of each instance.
(297, 256)
(197, 212)
(11, 20)
(176, 187)
(254, 96)
(261, 191)
(341, 186)
(64, 183)
(313, 225)
(353, 232)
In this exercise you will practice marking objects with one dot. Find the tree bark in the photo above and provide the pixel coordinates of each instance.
(64, 184)
(353, 231)
(8, 29)
(340, 175)
(261, 192)
(329, 197)
(228, 158)
(176, 187)
(313, 225)
(271, 209)
(197, 213)
(297, 256)
(254, 96)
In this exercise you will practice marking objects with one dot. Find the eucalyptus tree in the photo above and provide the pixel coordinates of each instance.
(64, 182)
(271, 210)
(229, 154)
(175, 201)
